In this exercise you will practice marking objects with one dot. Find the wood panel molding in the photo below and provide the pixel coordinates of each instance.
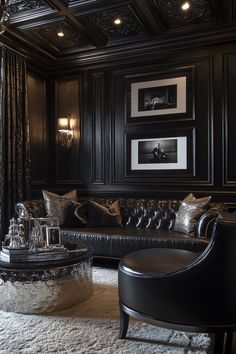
(229, 122)
(38, 128)
(68, 160)
(201, 144)
(98, 138)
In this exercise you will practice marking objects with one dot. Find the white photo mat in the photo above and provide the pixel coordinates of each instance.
(181, 155)
(181, 106)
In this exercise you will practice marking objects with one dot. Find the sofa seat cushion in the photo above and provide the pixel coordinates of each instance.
(116, 242)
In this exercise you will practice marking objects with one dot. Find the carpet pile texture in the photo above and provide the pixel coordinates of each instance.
(92, 327)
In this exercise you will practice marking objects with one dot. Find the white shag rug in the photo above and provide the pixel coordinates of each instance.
(92, 327)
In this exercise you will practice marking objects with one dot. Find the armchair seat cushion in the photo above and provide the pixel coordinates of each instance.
(157, 261)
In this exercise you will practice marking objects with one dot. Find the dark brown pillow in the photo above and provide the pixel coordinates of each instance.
(56, 205)
(75, 215)
(191, 209)
(99, 215)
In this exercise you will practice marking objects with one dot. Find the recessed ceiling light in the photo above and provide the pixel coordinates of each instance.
(60, 34)
(117, 21)
(185, 5)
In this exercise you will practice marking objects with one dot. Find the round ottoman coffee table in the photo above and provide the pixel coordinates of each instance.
(46, 286)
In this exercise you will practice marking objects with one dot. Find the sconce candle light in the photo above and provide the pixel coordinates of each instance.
(65, 131)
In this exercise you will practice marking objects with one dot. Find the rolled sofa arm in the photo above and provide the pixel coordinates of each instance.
(206, 224)
(207, 220)
(34, 208)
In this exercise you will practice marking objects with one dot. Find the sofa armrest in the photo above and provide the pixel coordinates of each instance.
(34, 208)
(207, 220)
(206, 223)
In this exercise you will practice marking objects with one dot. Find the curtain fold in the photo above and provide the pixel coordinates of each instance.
(15, 181)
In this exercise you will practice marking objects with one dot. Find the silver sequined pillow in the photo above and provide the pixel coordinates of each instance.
(56, 205)
(191, 209)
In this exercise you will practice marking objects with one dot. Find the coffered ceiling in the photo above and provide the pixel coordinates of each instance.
(88, 25)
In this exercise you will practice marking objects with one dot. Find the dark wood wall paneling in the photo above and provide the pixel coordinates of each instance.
(98, 129)
(39, 130)
(199, 121)
(68, 160)
(98, 160)
(229, 137)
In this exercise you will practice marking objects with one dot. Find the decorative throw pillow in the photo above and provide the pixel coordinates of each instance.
(75, 215)
(191, 209)
(56, 205)
(100, 215)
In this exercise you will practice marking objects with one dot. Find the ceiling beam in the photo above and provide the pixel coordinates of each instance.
(152, 20)
(139, 51)
(15, 40)
(87, 30)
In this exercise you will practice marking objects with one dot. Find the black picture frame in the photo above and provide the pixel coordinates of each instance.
(140, 160)
(163, 96)
(53, 236)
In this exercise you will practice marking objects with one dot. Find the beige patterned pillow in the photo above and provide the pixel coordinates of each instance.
(56, 205)
(191, 209)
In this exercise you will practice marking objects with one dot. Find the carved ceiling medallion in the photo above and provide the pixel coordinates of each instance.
(19, 6)
(104, 21)
(199, 12)
(70, 40)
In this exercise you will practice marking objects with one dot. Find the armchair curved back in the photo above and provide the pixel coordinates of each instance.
(199, 294)
(205, 291)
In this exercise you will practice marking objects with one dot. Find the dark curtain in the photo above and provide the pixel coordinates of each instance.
(14, 136)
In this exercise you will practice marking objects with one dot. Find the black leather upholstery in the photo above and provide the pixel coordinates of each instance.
(144, 213)
(147, 223)
(117, 242)
(34, 208)
(181, 289)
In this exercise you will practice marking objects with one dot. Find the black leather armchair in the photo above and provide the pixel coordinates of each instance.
(183, 290)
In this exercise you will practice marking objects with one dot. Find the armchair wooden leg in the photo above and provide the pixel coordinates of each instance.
(219, 343)
(124, 323)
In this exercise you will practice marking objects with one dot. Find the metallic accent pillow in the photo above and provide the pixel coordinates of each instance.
(56, 205)
(190, 211)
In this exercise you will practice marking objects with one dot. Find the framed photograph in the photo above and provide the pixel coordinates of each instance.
(53, 236)
(169, 153)
(166, 152)
(161, 98)
(158, 97)
(47, 222)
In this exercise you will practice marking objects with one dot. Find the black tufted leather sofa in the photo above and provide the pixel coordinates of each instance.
(148, 223)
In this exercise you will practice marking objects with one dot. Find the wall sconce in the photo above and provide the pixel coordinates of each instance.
(65, 131)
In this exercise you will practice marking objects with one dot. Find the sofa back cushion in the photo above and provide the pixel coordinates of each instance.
(143, 213)
(31, 208)
(135, 212)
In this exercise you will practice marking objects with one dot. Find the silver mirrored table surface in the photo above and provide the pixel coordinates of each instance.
(46, 286)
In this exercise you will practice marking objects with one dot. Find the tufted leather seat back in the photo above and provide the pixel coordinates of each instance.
(145, 213)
